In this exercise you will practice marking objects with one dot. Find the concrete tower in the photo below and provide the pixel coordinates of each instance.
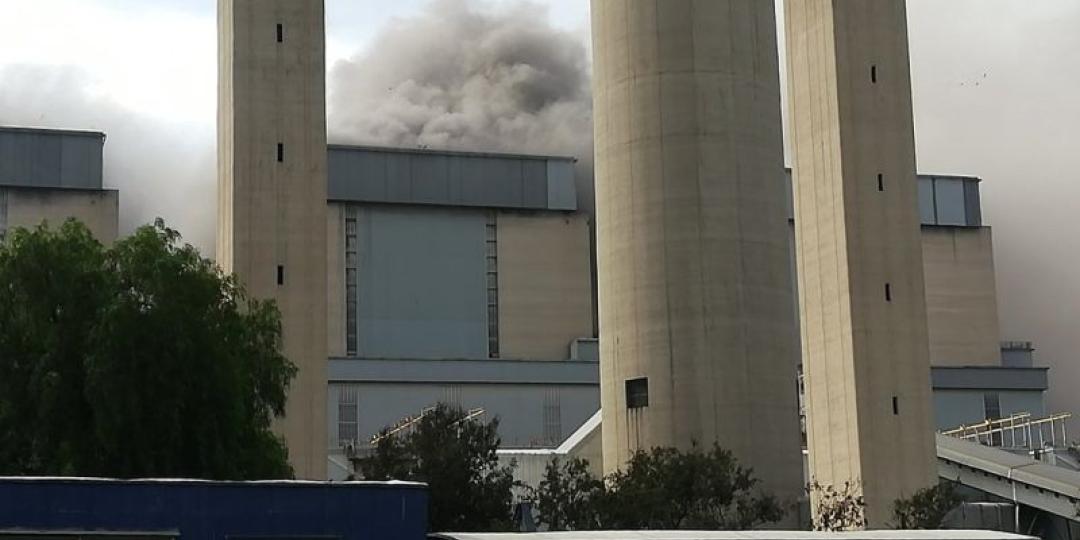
(272, 190)
(862, 301)
(695, 298)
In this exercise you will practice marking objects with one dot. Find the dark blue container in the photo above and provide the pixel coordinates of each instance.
(199, 509)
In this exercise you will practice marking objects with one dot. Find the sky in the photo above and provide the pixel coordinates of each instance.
(994, 87)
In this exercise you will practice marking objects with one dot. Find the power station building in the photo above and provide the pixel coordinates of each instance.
(422, 224)
(50, 175)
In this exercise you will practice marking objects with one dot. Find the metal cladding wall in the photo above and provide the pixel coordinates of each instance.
(421, 282)
(395, 175)
(692, 241)
(51, 158)
(216, 510)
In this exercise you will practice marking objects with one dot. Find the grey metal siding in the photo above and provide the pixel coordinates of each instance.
(989, 378)
(927, 214)
(972, 204)
(51, 158)
(364, 174)
(422, 291)
(950, 202)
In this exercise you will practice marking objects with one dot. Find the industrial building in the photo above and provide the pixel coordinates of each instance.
(456, 277)
(50, 175)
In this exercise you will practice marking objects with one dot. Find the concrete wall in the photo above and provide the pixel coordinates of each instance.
(861, 287)
(272, 190)
(545, 284)
(29, 207)
(520, 407)
(692, 254)
(961, 298)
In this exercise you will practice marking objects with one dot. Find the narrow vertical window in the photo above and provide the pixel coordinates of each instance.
(492, 260)
(880, 182)
(888, 292)
(280, 33)
(895, 405)
(280, 275)
(552, 415)
(280, 152)
(873, 74)
(351, 291)
(348, 416)
(992, 405)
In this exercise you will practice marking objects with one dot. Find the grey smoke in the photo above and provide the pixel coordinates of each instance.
(461, 78)
(162, 169)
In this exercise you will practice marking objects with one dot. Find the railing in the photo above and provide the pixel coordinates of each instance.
(410, 422)
(1019, 430)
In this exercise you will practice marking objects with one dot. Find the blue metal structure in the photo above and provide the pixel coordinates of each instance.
(212, 510)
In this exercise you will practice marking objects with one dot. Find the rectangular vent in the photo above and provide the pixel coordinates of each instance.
(637, 393)
(280, 33)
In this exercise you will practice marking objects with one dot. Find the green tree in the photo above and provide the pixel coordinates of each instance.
(455, 456)
(664, 488)
(927, 507)
(569, 497)
(137, 360)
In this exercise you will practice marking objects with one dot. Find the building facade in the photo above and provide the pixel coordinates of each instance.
(49, 175)
(456, 277)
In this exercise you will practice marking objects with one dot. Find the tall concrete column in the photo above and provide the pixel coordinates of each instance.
(695, 296)
(862, 300)
(272, 190)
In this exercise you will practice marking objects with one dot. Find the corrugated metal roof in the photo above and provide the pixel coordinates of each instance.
(1011, 466)
(739, 535)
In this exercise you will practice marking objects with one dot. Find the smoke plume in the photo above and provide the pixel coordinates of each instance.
(460, 78)
(162, 169)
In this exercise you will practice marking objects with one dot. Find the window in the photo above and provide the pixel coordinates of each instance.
(280, 33)
(280, 152)
(873, 74)
(348, 415)
(888, 292)
(552, 416)
(880, 182)
(492, 254)
(351, 269)
(896, 406)
(280, 275)
(637, 393)
(992, 405)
